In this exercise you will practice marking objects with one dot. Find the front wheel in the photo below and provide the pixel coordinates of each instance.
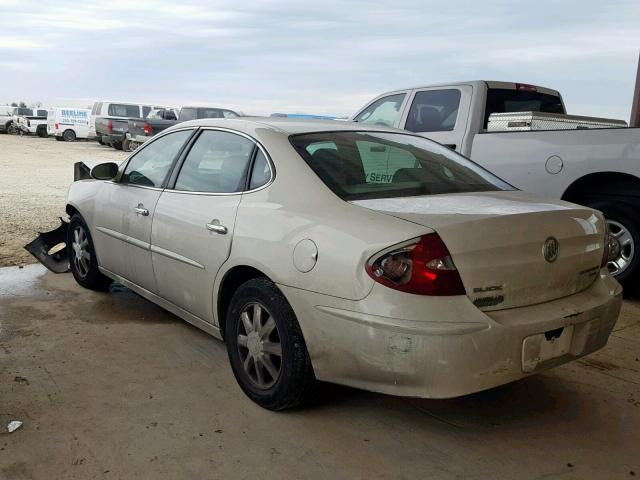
(266, 348)
(624, 240)
(82, 256)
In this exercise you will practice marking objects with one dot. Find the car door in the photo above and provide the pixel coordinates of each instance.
(194, 219)
(125, 210)
(439, 114)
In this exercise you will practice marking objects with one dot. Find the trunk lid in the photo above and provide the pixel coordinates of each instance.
(498, 241)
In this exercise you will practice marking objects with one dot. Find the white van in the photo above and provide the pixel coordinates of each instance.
(116, 110)
(68, 124)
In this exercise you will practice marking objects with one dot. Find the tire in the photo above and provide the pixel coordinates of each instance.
(99, 139)
(69, 135)
(117, 146)
(84, 271)
(42, 132)
(58, 139)
(126, 145)
(624, 226)
(287, 354)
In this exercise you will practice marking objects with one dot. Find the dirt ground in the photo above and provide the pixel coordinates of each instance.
(108, 385)
(34, 179)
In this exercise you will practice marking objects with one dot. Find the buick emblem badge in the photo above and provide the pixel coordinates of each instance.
(550, 249)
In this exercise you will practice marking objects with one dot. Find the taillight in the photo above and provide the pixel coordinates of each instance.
(147, 128)
(525, 87)
(423, 268)
(110, 126)
(56, 126)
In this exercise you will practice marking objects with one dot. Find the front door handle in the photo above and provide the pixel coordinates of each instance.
(215, 226)
(140, 210)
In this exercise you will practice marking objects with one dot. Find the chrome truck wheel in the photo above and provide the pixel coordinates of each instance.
(621, 248)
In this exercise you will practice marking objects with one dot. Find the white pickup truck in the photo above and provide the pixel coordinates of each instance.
(572, 158)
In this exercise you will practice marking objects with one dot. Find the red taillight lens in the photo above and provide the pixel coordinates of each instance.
(56, 126)
(525, 87)
(110, 126)
(422, 268)
(147, 128)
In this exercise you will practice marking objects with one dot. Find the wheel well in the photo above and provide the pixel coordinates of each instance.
(71, 210)
(230, 283)
(602, 183)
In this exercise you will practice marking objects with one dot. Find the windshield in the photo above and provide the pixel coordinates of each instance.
(363, 165)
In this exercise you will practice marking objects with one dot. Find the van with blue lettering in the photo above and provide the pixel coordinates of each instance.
(68, 124)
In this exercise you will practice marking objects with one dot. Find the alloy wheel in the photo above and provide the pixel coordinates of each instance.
(621, 248)
(259, 345)
(81, 256)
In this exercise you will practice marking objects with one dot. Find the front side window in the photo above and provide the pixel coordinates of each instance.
(217, 163)
(122, 110)
(433, 111)
(363, 165)
(384, 111)
(150, 166)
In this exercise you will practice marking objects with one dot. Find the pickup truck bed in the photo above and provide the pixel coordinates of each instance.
(112, 131)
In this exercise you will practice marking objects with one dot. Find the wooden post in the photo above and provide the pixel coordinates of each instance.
(635, 106)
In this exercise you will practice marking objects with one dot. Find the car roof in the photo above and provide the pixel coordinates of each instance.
(291, 126)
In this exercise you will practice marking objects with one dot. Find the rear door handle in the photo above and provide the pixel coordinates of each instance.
(140, 210)
(215, 226)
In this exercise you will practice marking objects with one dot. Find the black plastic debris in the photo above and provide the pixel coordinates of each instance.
(50, 248)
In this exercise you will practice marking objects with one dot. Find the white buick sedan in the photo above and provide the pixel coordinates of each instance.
(363, 256)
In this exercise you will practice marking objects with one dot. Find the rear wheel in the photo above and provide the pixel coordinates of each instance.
(624, 235)
(100, 140)
(126, 145)
(69, 135)
(42, 131)
(117, 146)
(82, 256)
(266, 348)
(58, 139)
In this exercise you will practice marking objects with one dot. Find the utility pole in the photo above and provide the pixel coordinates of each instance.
(635, 106)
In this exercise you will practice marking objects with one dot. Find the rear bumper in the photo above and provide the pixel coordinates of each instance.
(444, 346)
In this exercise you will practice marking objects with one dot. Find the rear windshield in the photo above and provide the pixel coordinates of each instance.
(503, 100)
(198, 113)
(363, 165)
(122, 110)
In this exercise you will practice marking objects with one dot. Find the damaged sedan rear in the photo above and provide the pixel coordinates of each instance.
(362, 256)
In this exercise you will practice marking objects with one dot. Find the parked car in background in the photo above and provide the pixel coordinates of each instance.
(522, 134)
(31, 121)
(305, 116)
(68, 124)
(159, 119)
(6, 117)
(348, 253)
(108, 122)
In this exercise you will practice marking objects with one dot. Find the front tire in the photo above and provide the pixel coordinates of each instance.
(266, 348)
(624, 228)
(82, 256)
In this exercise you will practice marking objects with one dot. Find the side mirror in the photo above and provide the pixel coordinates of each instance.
(105, 171)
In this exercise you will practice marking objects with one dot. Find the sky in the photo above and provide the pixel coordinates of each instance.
(313, 56)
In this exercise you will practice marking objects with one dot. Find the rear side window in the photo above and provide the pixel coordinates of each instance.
(42, 113)
(261, 172)
(121, 110)
(150, 166)
(503, 100)
(145, 111)
(362, 165)
(217, 163)
(434, 111)
(384, 111)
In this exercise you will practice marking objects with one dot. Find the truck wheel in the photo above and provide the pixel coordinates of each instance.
(266, 349)
(99, 139)
(117, 146)
(69, 135)
(42, 131)
(82, 256)
(624, 232)
(126, 145)
(58, 139)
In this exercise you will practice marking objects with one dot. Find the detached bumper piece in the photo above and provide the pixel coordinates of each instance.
(50, 248)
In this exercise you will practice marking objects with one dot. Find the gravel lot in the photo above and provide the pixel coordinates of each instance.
(36, 174)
